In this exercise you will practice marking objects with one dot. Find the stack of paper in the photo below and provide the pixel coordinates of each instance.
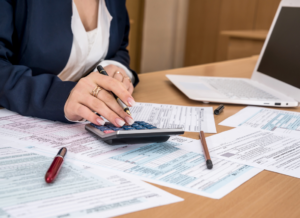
(264, 138)
(77, 191)
(98, 179)
(165, 164)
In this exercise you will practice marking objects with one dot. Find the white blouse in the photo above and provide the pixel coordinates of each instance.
(89, 48)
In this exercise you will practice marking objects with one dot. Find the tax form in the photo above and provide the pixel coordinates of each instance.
(175, 116)
(273, 151)
(267, 119)
(167, 159)
(168, 165)
(52, 135)
(76, 192)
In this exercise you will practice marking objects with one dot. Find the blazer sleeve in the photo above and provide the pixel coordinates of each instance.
(122, 55)
(40, 96)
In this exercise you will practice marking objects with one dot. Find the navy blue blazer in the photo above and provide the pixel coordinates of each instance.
(35, 45)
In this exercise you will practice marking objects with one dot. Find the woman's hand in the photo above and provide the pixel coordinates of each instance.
(120, 75)
(82, 105)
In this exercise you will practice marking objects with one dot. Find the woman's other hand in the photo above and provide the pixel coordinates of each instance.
(81, 104)
(120, 75)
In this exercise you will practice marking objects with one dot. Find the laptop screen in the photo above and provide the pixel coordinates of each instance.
(281, 59)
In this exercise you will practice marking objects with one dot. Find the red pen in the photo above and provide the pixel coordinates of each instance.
(56, 165)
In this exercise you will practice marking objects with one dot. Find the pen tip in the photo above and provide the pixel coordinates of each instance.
(128, 112)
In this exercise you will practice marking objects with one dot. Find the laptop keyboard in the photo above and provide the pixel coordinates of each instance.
(238, 89)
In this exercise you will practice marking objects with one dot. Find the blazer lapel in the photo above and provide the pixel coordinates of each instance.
(114, 29)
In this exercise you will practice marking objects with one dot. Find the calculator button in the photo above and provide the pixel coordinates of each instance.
(108, 131)
(140, 128)
(103, 128)
(128, 128)
(117, 129)
(137, 126)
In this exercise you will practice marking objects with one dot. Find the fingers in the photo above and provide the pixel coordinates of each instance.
(115, 86)
(104, 104)
(124, 79)
(131, 88)
(111, 69)
(111, 102)
(75, 111)
(81, 104)
(100, 107)
(87, 114)
(127, 82)
(129, 85)
(120, 75)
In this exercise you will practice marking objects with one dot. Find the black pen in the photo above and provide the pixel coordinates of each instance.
(219, 109)
(120, 102)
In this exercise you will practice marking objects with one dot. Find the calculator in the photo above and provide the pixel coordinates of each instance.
(138, 132)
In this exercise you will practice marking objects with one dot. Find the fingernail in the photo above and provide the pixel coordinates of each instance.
(131, 102)
(120, 122)
(100, 121)
(129, 120)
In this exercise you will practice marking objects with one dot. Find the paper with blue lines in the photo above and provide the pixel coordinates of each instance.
(166, 164)
(280, 121)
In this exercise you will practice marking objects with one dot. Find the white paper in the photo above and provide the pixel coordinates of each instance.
(166, 164)
(277, 152)
(52, 135)
(267, 119)
(84, 146)
(76, 192)
(192, 119)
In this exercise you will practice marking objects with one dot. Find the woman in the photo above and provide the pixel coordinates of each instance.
(48, 49)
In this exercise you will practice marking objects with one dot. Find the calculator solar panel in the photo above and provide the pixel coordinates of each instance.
(139, 132)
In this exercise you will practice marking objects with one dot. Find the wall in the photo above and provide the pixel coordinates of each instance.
(207, 18)
(136, 15)
(164, 34)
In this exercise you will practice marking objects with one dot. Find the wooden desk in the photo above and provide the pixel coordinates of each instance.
(244, 43)
(266, 195)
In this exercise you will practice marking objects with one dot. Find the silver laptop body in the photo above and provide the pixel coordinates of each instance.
(276, 77)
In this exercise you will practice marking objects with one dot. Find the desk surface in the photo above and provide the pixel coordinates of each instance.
(266, 195)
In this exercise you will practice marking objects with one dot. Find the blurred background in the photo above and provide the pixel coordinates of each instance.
(167, 34)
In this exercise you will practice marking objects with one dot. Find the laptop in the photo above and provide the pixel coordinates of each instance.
(276, 77)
